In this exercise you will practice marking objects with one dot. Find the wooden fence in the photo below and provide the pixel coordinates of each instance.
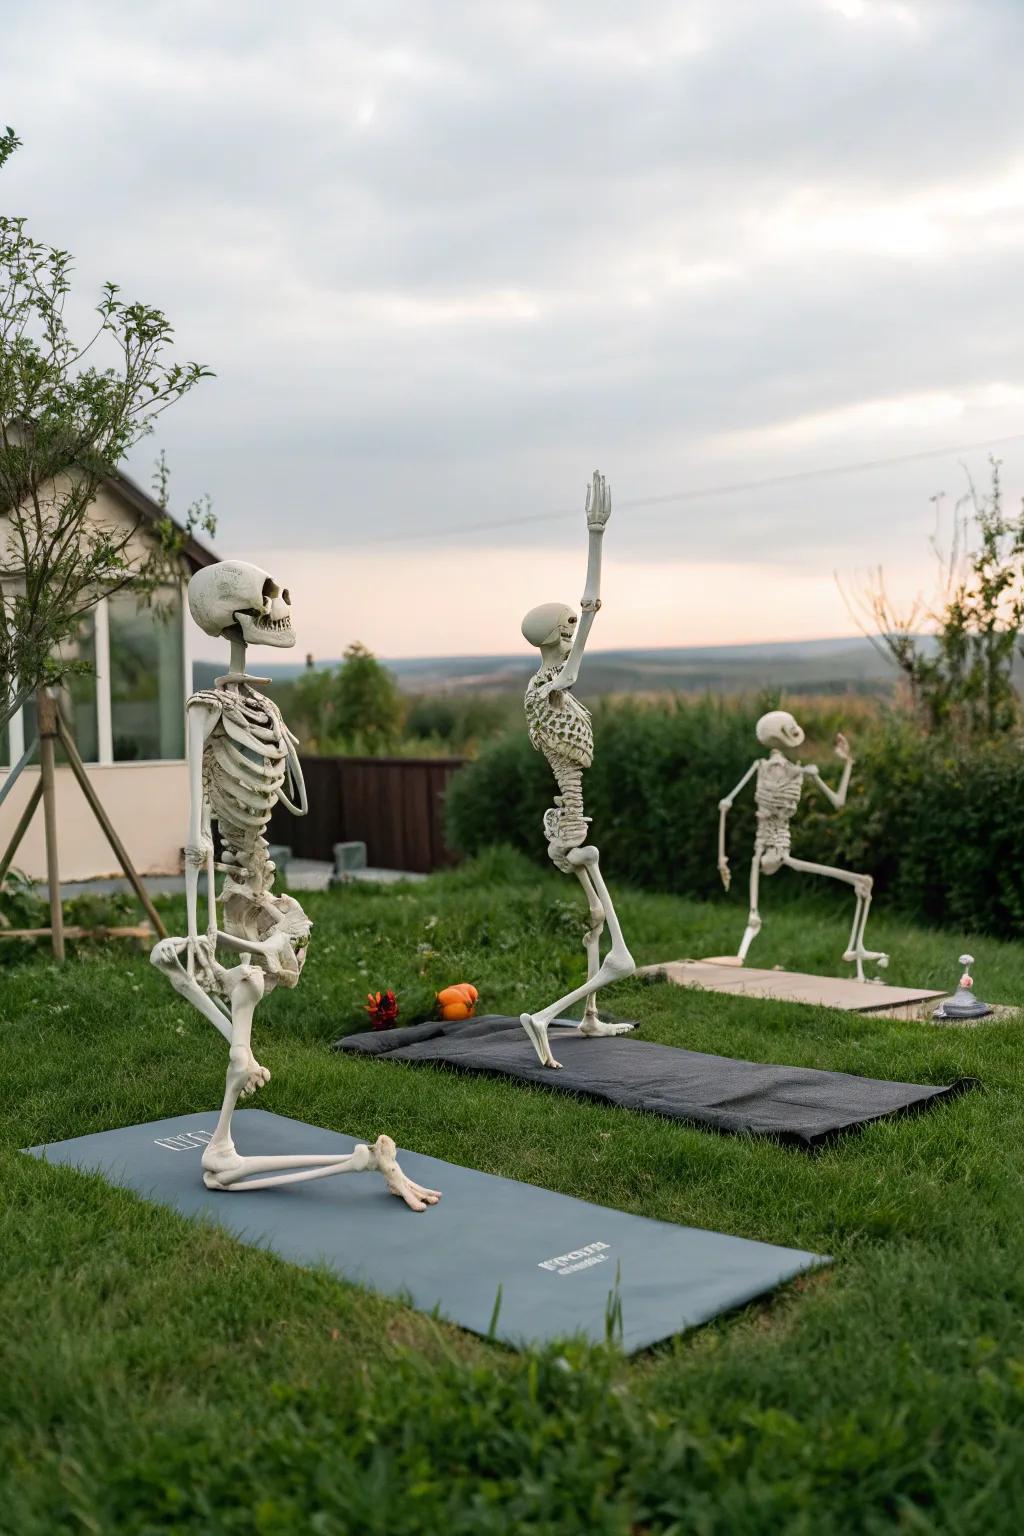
(392, 804)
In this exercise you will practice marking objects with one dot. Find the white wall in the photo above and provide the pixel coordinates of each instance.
(146, 802)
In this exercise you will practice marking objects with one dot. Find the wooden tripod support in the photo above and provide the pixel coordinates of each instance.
(51, 730)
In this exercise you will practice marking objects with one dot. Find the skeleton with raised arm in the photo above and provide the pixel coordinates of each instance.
(560, 727)
(242, 762)
(779, 784)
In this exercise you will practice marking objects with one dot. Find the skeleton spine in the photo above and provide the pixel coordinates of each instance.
(572, 826)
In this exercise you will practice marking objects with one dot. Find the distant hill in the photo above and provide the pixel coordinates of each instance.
(798, 666)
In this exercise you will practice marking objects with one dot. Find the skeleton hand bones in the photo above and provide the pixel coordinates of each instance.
(199, 953)
(599, 503)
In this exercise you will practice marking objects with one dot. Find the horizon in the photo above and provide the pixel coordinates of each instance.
(525, 655)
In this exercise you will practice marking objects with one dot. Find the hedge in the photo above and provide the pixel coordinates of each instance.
(939, 824)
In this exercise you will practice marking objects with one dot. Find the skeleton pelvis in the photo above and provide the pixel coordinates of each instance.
(563, 831)
(277, 921)
(772, 860)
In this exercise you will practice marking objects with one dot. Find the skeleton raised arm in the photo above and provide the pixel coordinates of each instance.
(835, 797)
(598, 510)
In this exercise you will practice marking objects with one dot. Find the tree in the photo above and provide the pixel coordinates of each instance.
(68, 417)
(367, 704)
(962, 675)
(310, 707)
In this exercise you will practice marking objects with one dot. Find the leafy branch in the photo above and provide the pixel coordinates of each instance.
(67, 422)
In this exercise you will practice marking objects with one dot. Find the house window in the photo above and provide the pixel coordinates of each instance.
(128, 708)
(76, 697)
(147, 677)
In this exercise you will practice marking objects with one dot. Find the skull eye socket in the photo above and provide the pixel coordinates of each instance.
(270, 590)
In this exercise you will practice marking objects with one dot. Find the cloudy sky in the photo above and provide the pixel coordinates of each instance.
(447, 256)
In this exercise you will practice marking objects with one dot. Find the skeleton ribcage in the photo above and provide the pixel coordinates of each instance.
(559, 725)
(779, 785)
(244, 765)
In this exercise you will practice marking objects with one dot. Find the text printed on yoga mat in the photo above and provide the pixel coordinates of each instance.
(579, 1258)
(186, 1142)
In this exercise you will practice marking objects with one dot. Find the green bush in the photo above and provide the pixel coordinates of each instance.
(938, 824)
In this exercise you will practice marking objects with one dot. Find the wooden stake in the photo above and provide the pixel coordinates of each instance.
(142, 931)
(22, 827)
(13, 776)
(131, 874)
(46, 708)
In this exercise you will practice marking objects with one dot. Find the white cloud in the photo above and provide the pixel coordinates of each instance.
(997, 408)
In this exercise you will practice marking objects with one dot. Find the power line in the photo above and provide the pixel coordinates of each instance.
(728, 489)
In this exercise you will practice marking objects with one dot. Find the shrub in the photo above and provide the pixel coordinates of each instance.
(939, 824)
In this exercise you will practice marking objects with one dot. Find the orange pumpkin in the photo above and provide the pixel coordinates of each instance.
(458, 1002)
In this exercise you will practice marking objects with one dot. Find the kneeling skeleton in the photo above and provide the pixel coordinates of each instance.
(240, 753)
(777, 794)
(560, 727)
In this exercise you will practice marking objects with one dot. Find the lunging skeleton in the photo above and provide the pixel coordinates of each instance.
(779, 784)
(560, 727)
(241, 755)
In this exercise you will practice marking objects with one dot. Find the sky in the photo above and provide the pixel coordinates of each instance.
(445, 259)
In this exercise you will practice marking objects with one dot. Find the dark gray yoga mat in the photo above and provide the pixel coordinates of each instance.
(800, 1104)
(555, 1259)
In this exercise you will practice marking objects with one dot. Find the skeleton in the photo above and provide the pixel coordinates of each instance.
(241, 755)
(777, 794)
(560, 727)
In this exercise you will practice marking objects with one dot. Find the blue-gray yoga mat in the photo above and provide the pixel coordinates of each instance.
(556, 1260)
(798, 1104)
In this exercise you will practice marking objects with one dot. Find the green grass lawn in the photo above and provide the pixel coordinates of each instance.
(157, 1376)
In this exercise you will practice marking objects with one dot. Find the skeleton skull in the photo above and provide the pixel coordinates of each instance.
(779, 729)
(550, 624)
(234, 596)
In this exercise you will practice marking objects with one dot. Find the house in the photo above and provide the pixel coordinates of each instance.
(127, 716)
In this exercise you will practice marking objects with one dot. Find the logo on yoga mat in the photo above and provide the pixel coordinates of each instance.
(579, 1258)
(186, 1142)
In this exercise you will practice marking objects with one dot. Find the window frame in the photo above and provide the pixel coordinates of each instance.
(104, 708)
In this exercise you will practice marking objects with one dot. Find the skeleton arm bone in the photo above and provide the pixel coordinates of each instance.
(835, 797)
(296, 783)
(724, 807)
(599, 507)
(202, 718)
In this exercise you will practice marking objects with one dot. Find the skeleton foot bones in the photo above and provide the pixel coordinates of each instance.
(560, 727)
(241, 757)
(777, 790)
